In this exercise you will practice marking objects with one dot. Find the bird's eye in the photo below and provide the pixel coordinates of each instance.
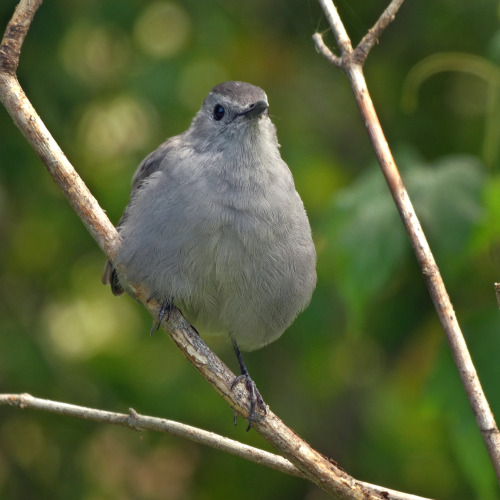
(218, 112)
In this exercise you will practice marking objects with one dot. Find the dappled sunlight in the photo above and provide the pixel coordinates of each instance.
(116, 127)
(91, 320)
(122, 466)
(162, 29)
(364, 374)
(95, 54)
(79, 328)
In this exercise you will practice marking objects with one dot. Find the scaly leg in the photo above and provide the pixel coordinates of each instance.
(253, 393)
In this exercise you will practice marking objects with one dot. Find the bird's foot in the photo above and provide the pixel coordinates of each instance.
(166, 308)
(254, 397)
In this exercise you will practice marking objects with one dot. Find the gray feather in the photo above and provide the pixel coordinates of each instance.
(215, 223)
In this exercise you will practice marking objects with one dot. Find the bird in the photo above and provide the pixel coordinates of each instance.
(215, 227)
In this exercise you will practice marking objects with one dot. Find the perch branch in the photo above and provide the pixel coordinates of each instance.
(139, 422)
(29, 123)
(352, 66)
(312, 464)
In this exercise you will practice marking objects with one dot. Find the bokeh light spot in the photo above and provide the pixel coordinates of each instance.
(116, 128)
(163, 29)
(94, 54)
(197, 80)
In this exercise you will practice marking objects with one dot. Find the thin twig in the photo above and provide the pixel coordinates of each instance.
(439, 295)
(371, 38)
(324, 50)
(343, 41)
(135, 421)
(140, 422)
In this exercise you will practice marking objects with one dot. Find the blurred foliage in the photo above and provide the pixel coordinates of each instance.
(365, 374)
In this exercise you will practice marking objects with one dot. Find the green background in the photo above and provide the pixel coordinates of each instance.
(365, 374)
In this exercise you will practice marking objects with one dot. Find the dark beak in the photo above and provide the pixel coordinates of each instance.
(255, 109)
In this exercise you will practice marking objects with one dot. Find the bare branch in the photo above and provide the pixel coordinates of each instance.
(139, 422)
(360, 53)
(136, 421)
(339, 31)
(29, 123)
(322, 48)
(312, 464)
(353, 68)
(371, 38)
(316, 467)
(309, 462)
(15, 34)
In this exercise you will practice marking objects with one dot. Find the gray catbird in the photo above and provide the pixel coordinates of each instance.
(215, 227)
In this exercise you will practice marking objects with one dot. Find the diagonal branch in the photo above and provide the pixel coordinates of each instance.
(317, 468)
(371, 38)
(29, 123)
(352, 66)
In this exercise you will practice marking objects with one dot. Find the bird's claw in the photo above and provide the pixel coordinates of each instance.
(254, 397)
(166, 308)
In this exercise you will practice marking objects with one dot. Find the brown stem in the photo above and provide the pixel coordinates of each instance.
(29, 123)
(371, 38)
(352, 66)
(312, 464)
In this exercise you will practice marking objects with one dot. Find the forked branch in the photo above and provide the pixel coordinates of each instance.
(351, 63)
(307, 461)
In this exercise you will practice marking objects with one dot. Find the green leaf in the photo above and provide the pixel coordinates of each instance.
(365, 240)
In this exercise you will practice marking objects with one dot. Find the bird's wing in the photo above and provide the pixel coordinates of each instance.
(151, 164)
